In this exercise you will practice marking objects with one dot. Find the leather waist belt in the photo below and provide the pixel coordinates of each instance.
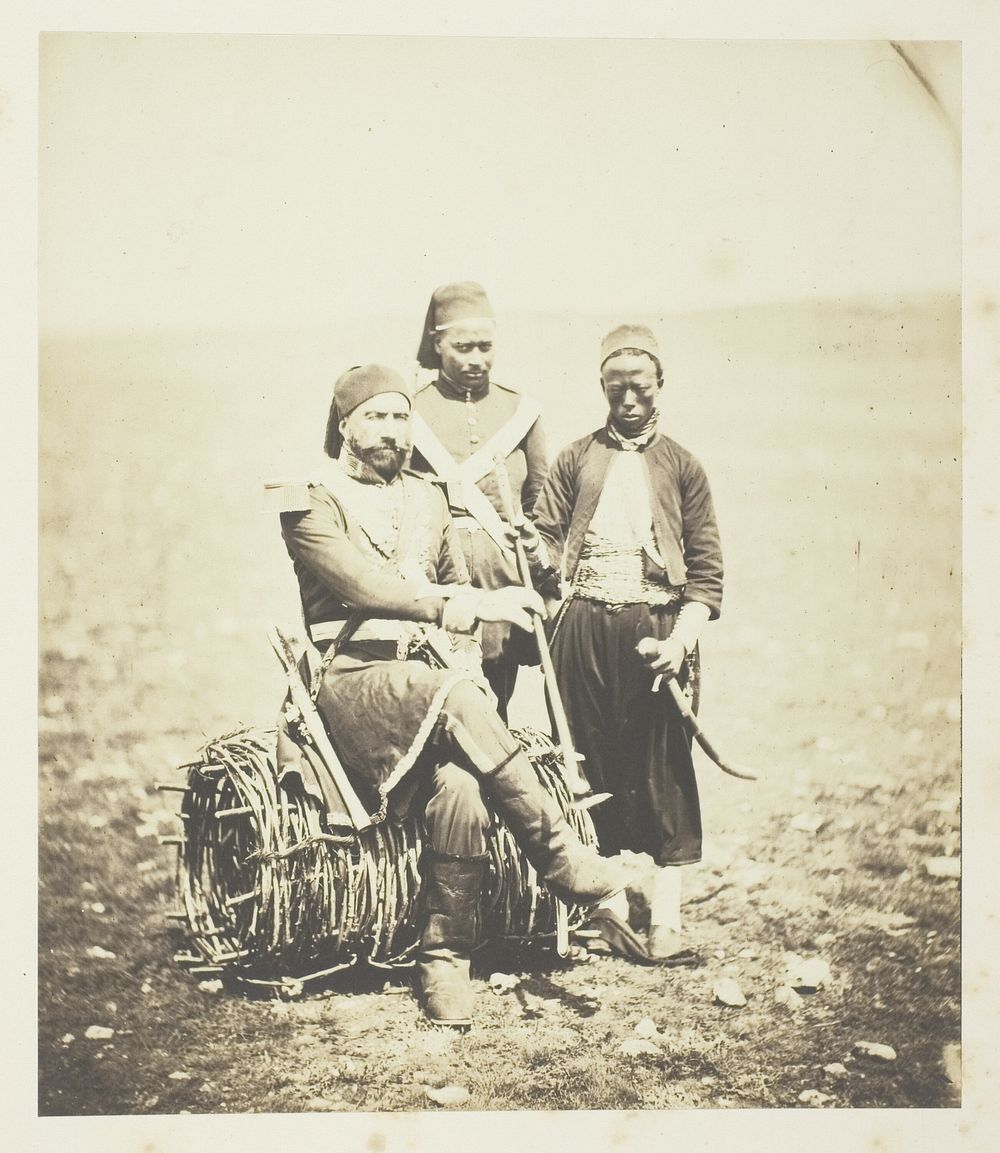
(376, 629)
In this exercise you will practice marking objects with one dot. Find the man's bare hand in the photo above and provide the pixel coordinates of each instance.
(526, 532)
(514, 604)
(665, 657)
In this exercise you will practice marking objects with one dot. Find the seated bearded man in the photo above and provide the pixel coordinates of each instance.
(377, 558)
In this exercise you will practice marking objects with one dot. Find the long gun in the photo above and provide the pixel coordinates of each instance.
(315, 729)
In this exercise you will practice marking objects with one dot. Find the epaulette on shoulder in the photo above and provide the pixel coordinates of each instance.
(422, 387)
(286, 496)
(429, 477)
(504, 387)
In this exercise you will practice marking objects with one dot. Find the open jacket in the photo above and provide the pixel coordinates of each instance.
(684, 525)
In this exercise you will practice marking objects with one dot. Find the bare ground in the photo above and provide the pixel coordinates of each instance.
(835, 670)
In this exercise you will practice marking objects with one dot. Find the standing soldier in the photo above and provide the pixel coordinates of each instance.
(462, 424)
(631, 513)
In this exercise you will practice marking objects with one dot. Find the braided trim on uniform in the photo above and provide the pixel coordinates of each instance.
(408, 759)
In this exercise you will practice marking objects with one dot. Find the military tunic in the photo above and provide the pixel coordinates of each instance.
(464, 422)
(369, 559)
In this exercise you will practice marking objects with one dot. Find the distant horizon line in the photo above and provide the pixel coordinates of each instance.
(876, 303)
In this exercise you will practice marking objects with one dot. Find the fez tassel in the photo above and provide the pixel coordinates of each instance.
(732, 768)
(575, 781)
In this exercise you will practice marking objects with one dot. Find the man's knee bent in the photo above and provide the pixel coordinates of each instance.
(456, 818)
(477, 729)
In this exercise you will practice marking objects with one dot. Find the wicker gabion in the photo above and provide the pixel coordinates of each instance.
(270, 896)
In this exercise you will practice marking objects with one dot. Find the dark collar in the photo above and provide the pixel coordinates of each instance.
(458, 391)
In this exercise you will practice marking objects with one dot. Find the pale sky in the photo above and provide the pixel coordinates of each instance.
(207, 181)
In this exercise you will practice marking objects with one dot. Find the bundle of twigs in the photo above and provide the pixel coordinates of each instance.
(271, 896)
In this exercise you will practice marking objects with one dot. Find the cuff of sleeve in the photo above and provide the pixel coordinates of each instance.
(712, 601)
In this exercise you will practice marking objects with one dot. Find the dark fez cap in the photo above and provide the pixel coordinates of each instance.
(450, 304)
(354, 387)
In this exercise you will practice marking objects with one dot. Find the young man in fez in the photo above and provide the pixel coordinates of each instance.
(375, 554)
(463, 422)
(630, 513)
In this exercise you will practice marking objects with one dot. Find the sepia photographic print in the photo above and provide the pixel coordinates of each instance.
(669, 335)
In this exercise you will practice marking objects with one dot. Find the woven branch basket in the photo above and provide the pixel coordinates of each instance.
(270, 896)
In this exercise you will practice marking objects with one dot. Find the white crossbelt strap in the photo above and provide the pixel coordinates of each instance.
(462, 478)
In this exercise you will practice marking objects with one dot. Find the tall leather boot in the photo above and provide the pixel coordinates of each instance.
(571, 871)
(452, 892)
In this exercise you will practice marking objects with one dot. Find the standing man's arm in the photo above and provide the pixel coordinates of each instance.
(702, 547)
(537, 466)
(703, 560)
(554, 507)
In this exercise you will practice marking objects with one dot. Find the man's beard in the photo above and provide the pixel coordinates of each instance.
(385, 460)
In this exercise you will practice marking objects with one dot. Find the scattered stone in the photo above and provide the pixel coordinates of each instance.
(96, 953)
(111, 1007)
(145, 987)
(434, 1080)
(728, 992)
(67, 1038)
(807, 822)
(786, 996)
(96, 907)
(213, 986)
(503, 983)
(447, 1095)
(876, 1050)
(835, 1069)
(746, 954)
(639, 1047)
(646, 1029)
(719, 953)
(808, 975)
(947, 868)
(98, 1033)
(814, 1097)
(97, 820)
(146, 866)
(179, 1076)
